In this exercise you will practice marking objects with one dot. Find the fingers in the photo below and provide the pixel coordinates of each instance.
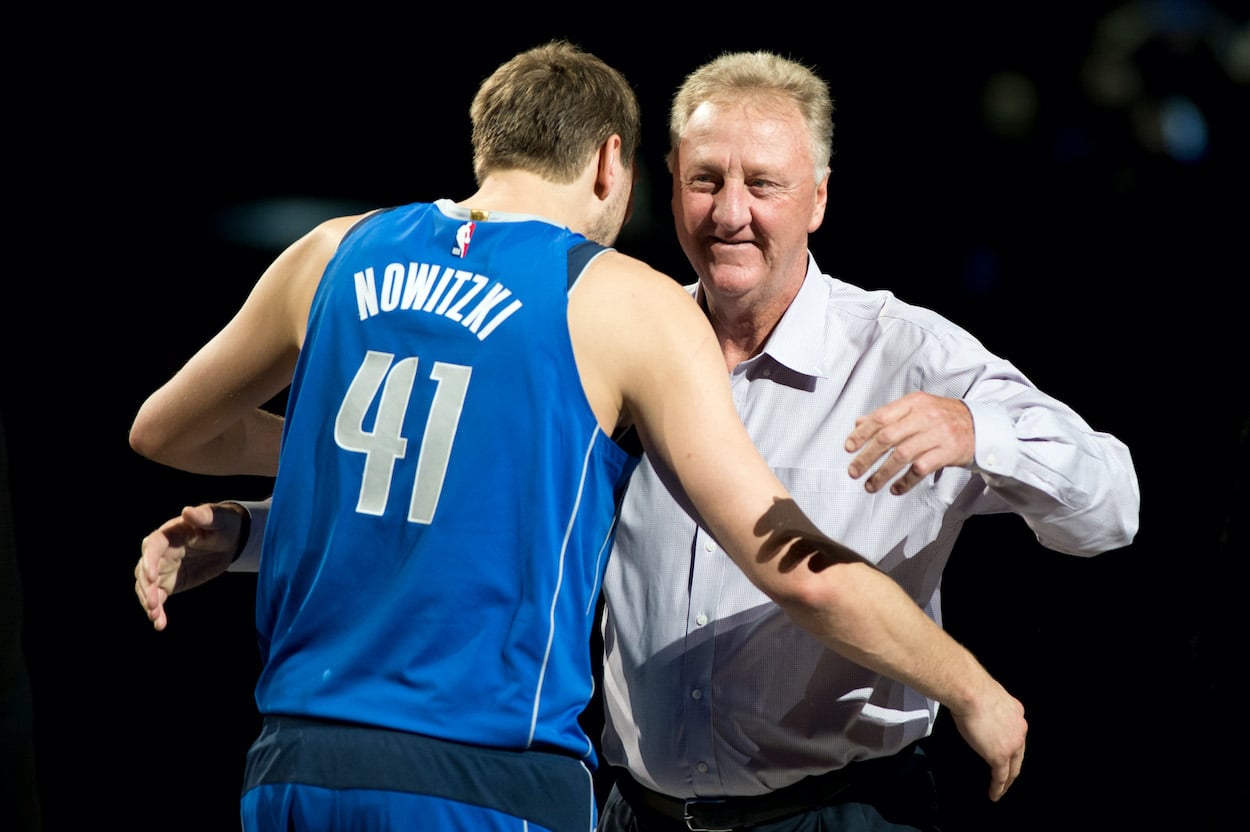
(159, 555)
(198, 517)
(866, 439)
(147, 579)
(184, 552)
(156, 612)
(151, 598)
(994, 726)
(913, 436)
(900, 448)
(150, 550)
(914, 468)
(999, 781)
(1003, 776)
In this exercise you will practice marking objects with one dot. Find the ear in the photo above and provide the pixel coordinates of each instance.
(609, 170)
(818, 206)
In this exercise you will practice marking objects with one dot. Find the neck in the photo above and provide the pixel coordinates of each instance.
(743, 323)
(522, 192)
(741, 329)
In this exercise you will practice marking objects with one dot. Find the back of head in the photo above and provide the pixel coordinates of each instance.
(547, 109)
(735, 75)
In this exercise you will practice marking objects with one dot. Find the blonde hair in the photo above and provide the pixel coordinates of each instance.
(734, 75)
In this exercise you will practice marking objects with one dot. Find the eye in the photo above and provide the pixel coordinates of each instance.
(702, 183)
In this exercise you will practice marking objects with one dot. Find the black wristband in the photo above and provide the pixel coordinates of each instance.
(245, 529)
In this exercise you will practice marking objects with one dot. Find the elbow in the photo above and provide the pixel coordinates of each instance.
(1125, 534)
(1124, 516)
(143, 442)
(1095, 539)
(1120, 516)
(827, 593)
(147, 440)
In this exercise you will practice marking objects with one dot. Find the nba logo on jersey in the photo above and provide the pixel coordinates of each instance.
(463, 235)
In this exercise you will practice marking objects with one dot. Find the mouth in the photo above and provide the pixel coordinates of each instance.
(732, 253)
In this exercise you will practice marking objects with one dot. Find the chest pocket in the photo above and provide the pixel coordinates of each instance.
(873, 524)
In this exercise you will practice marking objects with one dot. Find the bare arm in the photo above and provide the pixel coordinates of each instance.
(208, 418)
(662, 364)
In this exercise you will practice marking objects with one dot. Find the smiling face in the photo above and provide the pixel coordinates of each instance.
(745, 197)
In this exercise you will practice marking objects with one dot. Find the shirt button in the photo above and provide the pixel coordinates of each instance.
(991, 460)
(696, 694)
(702, 767)
(708, 546)
(700, 619)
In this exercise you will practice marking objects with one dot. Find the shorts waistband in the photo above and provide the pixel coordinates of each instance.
(344, 756)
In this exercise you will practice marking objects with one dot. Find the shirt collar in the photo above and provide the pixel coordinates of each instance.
(792, 343)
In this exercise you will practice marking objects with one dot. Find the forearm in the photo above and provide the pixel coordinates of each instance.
(862, 614)
(249, 446)
(855, 609)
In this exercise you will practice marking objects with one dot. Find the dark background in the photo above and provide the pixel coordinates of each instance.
(1070, 185)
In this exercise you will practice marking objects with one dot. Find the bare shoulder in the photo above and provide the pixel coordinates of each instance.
(615, 265)
(626, 319)
(286, 288)
(628, 290)
(324, 238)
(305, 260)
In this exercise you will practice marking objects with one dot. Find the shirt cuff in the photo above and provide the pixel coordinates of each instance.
(996, 450)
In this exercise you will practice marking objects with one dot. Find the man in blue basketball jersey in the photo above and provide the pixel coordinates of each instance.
(464, 382)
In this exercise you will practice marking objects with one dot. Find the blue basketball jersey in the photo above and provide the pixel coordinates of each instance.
(445, 499)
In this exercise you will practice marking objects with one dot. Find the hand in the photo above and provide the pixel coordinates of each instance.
(920, 432)
(996, 731)
(184, 552)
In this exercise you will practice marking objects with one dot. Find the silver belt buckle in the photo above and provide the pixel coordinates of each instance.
(690, 820)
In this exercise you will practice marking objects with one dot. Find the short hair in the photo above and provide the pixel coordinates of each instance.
(734, 75)
(548, 109)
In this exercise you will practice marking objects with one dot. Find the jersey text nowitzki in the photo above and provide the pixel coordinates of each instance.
(412, 287)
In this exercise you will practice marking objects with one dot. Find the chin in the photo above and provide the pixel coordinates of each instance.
(733, 278)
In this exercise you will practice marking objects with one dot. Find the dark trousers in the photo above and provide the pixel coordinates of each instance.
(892, 794)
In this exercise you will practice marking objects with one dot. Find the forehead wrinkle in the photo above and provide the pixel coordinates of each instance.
(759, 135)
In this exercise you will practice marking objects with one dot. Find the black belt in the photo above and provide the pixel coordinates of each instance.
(726, 814)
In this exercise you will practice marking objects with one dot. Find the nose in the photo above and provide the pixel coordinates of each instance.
(730, 208)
